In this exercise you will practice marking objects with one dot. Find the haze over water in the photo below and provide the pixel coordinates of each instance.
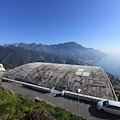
(110, 64)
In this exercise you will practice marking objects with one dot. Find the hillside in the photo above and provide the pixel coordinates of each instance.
(17, 107)
(17, 56)
(69, 48)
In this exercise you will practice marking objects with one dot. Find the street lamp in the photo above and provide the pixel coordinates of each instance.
(83, 72)
(79, 90)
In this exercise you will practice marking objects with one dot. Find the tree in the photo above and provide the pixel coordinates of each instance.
(7, 65)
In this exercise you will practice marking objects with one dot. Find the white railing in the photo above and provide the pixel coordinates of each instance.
(83, 97)
(30, 85)
(63, 93)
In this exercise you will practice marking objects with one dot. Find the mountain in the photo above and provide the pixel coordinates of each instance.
(69, 48)
(17, 56)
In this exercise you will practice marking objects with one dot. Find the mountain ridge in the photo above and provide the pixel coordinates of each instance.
(72, 49)
(18, 56)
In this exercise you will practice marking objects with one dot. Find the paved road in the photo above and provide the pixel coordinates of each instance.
(87, 110)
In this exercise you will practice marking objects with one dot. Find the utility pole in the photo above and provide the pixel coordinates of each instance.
(79, 90)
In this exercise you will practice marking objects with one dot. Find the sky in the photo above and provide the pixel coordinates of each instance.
(91, 23)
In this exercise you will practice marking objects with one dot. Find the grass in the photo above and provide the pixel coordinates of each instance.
(17, 107)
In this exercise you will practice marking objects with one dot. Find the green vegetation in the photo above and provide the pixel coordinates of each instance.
(16, 107)
(7, 65)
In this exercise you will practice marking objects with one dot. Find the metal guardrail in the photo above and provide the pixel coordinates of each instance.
(63, 93)
(115, 97)
(83, 97)
(28, 84)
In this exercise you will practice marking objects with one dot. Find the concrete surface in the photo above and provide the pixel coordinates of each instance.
(1, 75)
(64, 77)
(2, 69)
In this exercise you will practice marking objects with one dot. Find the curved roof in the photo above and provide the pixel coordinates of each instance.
(90, 79)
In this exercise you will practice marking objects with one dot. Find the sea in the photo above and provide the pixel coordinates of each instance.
(110, 63)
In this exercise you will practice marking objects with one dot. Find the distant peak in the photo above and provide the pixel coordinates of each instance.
(34, 43)
(72, 42)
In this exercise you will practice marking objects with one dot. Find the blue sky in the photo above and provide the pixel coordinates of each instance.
(91, 23)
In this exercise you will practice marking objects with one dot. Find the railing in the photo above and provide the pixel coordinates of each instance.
(36, 87)
(115, 97)
(83, 97)
(63, 93)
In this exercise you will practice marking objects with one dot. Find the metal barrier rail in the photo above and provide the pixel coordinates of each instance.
(115, 97)
(83, 97)
(63, 93)
(28, 84)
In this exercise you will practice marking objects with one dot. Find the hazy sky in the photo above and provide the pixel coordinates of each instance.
(91, 23)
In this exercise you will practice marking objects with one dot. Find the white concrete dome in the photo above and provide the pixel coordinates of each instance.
(91, 80)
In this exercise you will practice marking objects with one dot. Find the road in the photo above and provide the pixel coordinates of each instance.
(87, 109)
